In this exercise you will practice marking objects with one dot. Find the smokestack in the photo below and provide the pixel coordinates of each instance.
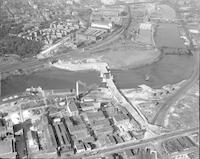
(77, 89)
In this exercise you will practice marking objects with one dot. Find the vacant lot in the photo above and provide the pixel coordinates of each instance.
(130, 57)
(185, 114)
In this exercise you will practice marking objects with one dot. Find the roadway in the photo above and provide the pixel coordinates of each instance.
(133, 144)
(162, 112)
(136, 114)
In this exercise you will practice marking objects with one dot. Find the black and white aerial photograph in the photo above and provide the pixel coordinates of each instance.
(99, 79)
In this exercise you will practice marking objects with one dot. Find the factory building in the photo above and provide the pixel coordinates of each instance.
(120, 119)
(102, 25)
(50, 140)
(32, 142)
(99, 124)
(63, 136)
(72, 109)
(3, 131)
(112, 139)
(92, 116)
(91, 34)
(88, 139)
(7, 148)
(145, 33)
(79, 146)
(107, 130)
(118, 139)
(112, 11)
(88, 106)
(79, 132)
(108, 2)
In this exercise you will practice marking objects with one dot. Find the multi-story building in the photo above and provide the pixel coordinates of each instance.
(87, 106)
(93, 116)
(72, 109)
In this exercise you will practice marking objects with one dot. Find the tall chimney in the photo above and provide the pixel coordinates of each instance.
(77, 89)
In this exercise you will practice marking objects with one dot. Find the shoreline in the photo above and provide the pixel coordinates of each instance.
(49, 68)
(141, 63)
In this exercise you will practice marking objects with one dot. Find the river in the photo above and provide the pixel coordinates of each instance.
(168, 70)
(48, 79)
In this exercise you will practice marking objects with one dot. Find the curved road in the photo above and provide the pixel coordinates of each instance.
(161, 114)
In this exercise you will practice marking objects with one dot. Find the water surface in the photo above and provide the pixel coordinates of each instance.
(48, 79)
(169, 70)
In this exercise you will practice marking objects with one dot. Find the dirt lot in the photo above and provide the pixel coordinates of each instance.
(120, 56)
(185, 114)
(149, 100)
(130, 57)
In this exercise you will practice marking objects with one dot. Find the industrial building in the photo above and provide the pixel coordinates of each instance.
(102, 25)
(112, 139)
(7, 148)
(118, 139)
(175, 145)
(72, 109)
(108, 2)
(120, 119)
(78, 129)
(50, 140)
(62, 134)
(91, 34)
(111, 11)
(88, 106)
(78, 132)
(79, 146)
(107, 130)
(145, 33)
(93, 116)
(32, 142)
(99, 124)
(111, 14)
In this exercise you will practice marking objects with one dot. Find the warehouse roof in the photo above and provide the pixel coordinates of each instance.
(72, 107)
(6, 147)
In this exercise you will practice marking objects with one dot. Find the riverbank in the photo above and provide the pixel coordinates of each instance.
(50, 78)
(169, 69)
(24, 71)
(128, 57)
(118, 58)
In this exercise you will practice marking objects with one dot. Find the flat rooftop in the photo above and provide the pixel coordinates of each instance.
(6, 147)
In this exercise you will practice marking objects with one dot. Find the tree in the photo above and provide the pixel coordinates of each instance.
(19, 46)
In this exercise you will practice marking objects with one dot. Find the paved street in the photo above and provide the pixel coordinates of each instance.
(132, 144)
